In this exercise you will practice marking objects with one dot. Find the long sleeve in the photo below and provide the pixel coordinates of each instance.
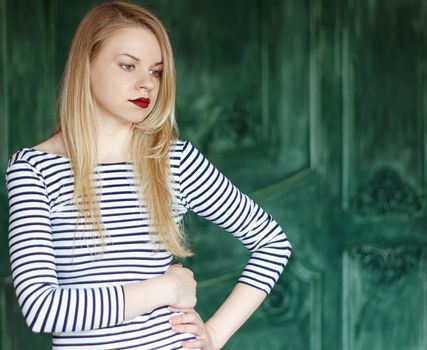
(46, 306)
(208, 193)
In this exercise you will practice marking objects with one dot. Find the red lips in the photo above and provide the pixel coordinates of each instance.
(141, 102)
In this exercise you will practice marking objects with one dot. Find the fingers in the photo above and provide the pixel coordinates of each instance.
(185, 318)
(187, 323)
(187, 328)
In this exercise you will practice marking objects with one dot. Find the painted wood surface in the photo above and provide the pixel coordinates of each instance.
(316, 109)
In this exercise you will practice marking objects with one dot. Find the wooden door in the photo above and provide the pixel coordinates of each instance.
(315, 108)
(384, 175)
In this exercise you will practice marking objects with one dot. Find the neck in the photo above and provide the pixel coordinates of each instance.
(113, 142)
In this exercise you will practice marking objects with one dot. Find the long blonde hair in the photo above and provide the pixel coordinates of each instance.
(151, 139)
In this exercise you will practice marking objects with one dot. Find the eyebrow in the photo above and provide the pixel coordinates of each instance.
(137, 59)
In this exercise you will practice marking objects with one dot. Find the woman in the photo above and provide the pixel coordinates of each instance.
(95, 210)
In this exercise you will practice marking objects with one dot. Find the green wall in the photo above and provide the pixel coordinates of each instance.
(316, 109)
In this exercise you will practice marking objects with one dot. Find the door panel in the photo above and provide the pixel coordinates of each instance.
(383, 290)
(316, 109)
(384, 180)
(383, 86)
(3, 137)
(27, 110)
(27, 90)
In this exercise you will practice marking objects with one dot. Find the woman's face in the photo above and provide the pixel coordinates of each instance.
(125, 75)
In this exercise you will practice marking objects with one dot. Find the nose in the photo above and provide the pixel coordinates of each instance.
(145, 81)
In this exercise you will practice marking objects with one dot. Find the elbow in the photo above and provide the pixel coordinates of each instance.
(286, 251)
(33, 324)
(38, 312)
(288, 248)
(37, 326)
(35, 329)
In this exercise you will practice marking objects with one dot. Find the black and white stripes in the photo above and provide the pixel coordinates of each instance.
(65, 287)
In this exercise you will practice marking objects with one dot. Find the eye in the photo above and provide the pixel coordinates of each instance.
(127, 67)
(155, 72)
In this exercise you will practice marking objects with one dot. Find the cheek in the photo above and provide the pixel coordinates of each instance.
(107, 86)
(99, 84)
(156, 90)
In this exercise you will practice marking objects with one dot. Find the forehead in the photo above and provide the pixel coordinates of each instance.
(137, 41)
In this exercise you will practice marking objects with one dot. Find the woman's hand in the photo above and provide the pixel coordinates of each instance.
(182, 285)
(191, 322)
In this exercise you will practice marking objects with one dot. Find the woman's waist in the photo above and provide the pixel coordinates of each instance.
(149, 331)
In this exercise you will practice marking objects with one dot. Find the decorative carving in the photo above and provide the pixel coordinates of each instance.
(299, 290)
(386, 193)
(387, 265)
(232, 123)
(278, 301)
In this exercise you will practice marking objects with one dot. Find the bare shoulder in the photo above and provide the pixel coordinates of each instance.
(53, 145)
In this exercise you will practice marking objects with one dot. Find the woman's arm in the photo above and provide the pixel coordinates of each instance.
(211, 195)
(233, 313)
(46, 305)
(176, 287)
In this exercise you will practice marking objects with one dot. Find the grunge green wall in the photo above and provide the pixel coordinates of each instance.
(316, 109)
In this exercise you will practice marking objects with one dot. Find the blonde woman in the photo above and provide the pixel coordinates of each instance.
(95, 210)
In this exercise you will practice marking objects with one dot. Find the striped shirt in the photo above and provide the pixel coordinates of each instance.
(65, 288)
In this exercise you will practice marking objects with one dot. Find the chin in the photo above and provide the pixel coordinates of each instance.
(138, 119)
